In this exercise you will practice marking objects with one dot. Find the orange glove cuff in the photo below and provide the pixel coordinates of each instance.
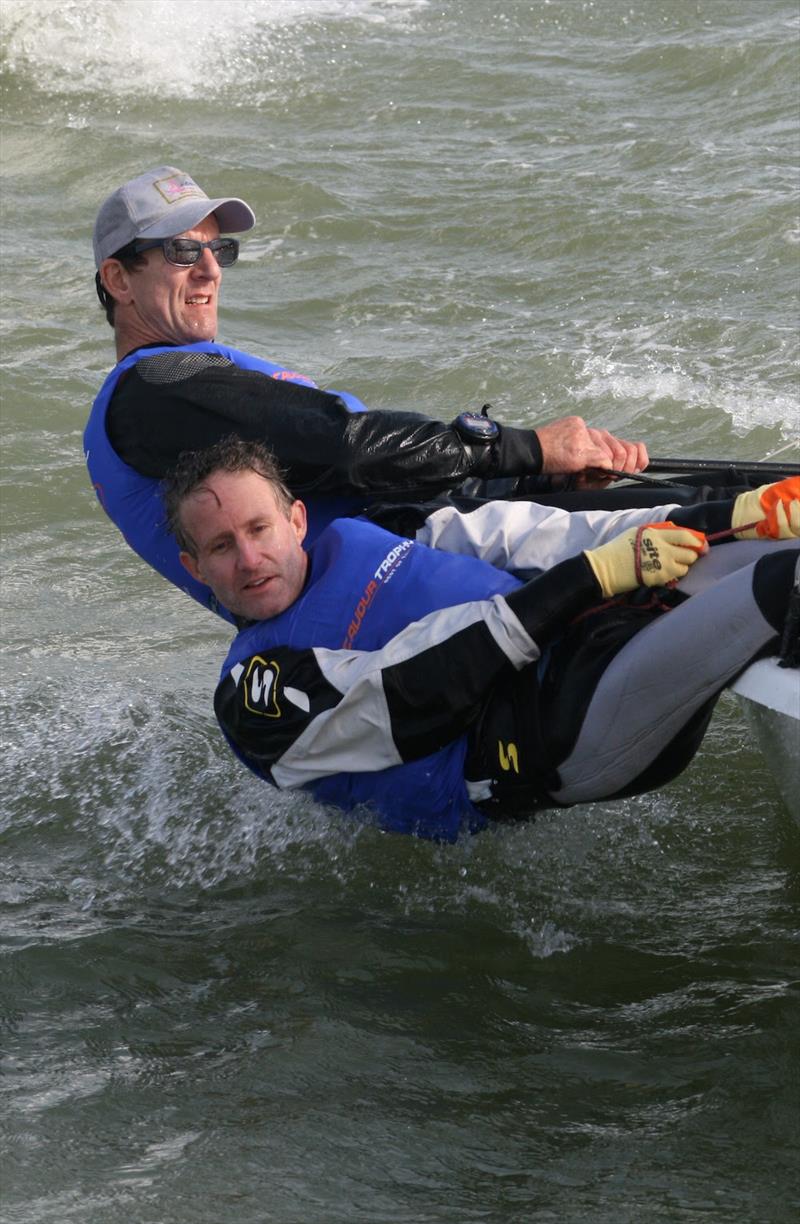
(774, 496)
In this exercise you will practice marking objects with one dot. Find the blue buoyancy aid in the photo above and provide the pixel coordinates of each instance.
(133, 502)
(366, 585)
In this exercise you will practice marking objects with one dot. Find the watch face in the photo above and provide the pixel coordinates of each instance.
(475, 426)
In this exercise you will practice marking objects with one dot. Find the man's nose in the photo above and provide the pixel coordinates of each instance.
(207, 267)
(248, 555)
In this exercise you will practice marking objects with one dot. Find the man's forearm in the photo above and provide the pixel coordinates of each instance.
(324, 447)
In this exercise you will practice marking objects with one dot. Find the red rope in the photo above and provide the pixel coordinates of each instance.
(730, 531)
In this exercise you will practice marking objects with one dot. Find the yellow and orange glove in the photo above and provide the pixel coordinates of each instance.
(652, 555)
(771, 512)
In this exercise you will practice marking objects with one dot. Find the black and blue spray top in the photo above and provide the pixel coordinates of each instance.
(340, 458)
(369, 593)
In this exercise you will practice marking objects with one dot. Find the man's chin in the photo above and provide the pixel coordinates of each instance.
(258, 609)
(200, 329)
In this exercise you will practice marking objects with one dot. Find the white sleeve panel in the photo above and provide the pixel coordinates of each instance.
(345, 668)
(356, 735)
(526, 535)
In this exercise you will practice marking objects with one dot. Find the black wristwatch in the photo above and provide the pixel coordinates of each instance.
(475, 428)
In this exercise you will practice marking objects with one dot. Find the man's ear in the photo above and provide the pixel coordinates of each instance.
(189, 563)
(299, 520)
(115, 280)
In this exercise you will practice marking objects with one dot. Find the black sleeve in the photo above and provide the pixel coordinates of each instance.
(159, 410)
(708, 517)
(547, 603)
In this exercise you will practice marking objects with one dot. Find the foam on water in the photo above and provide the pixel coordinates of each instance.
(650, 380)
(141, 799)
(164, 48)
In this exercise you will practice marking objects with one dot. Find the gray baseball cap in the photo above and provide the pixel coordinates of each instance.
(161, 204)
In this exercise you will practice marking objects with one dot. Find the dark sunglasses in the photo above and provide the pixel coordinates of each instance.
(183, 252)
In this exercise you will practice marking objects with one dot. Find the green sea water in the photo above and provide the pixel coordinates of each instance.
(219, 1004)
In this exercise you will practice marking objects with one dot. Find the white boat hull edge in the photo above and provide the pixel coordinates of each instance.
(770, 696)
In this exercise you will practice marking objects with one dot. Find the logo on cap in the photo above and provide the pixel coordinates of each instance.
(179, 187)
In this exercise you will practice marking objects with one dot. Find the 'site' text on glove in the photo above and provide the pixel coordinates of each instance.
(653, 555)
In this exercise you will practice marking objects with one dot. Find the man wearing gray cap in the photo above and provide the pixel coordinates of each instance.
(151, 212)
(160, 244)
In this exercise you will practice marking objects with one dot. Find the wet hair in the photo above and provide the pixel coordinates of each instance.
(193, 469)
(130, 260)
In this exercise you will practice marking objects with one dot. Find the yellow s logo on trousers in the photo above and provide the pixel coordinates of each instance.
(507, 754)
